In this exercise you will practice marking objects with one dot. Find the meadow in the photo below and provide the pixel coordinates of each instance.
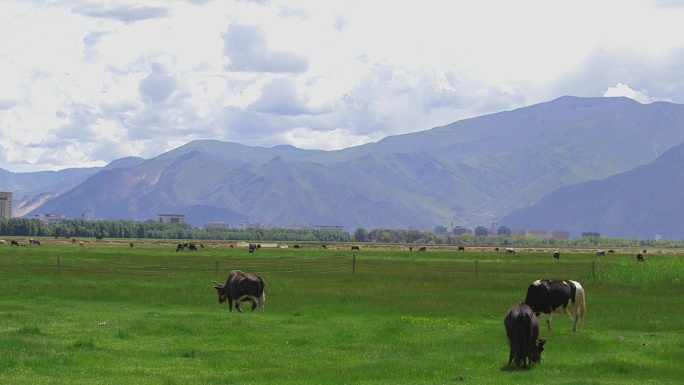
(107, 313)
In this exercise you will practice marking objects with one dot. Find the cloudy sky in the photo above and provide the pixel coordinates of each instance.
(83, 83)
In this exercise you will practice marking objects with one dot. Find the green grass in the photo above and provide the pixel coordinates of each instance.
(149, 315)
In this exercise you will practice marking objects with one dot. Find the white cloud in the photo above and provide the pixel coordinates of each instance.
(624, 90)
(107, 80)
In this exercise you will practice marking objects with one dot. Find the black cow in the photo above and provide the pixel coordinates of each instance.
(556, 254)
(640, 257)
(241, 286)
(522, 330)
(192, 246)
(422, 248)
(461, 248)
(34, 242)
(180, 247)
(355, 248)
(14, 243)
(252, 247)
(130, 244)
(557, 296)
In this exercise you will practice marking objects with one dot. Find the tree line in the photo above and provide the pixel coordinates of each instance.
(83, 228)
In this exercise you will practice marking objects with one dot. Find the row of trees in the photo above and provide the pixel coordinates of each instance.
(80, 228)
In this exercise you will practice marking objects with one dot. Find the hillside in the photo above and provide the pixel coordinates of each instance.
(642, 203)
(472, 172)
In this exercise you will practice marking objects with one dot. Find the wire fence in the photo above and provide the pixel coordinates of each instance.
(336, 264)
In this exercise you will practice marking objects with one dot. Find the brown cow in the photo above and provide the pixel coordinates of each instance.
(241, 286)
(522, 330)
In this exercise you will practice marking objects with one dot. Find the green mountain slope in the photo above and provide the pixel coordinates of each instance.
(471, 172)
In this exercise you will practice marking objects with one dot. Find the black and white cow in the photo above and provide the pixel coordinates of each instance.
(522, 330)
(557, 296)
(241, 286)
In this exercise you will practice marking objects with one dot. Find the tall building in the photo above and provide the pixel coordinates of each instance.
(535, 233)
(171, 218)
(560, 234)
(5, 205)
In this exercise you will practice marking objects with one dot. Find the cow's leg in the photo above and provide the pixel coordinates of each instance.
(262, 300)
(237, 305)
(548, 321)
(574, 316)
(230, 304)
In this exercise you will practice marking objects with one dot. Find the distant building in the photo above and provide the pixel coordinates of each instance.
(327, 227)
(481, 231)
(440, 230)
(535, 233)
(216, 225)
(560, 234)
(171, 218)
(518, 232)
(5, 205)
(460, 230)
(50, 218)
(250, 225)
(503, 231)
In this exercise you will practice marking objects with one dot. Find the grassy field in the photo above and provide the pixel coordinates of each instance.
(107, 313)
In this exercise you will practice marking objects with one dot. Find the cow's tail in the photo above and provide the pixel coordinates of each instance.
(581, 301)
(262, 297)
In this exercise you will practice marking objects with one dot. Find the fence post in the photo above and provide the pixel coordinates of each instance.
(476, 268)
(59, 265)
(353, 264)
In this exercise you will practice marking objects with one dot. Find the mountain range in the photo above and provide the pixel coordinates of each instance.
(607, 165)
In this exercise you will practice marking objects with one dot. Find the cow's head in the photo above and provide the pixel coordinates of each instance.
(535, 354)
(221, 289)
